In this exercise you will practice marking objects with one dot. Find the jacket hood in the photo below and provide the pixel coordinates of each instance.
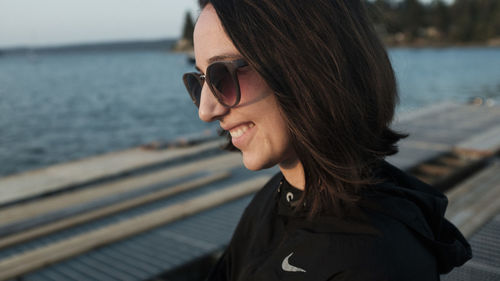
(421, 208)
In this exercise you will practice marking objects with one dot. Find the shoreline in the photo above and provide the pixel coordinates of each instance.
(442, 45)
(172, 45)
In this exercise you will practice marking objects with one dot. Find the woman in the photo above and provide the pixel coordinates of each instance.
(307, 86)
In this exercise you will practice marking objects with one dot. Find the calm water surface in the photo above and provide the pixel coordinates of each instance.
(60, 107)
(427, 76)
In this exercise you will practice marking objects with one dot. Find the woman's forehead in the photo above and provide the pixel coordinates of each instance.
(211, 42)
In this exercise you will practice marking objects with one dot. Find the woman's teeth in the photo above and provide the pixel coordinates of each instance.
(240, 130)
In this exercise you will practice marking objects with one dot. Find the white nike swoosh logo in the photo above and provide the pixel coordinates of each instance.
(286, 266)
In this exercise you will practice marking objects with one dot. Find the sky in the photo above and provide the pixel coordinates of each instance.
(34, 23)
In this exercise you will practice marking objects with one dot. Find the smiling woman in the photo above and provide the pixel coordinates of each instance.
(308, 86)
(238, 97)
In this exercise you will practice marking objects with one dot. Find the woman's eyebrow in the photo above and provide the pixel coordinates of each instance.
(223, 57)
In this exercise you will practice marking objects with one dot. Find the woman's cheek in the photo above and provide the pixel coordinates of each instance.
(253, 88)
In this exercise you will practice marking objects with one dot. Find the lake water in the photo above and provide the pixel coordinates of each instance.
(60, 107)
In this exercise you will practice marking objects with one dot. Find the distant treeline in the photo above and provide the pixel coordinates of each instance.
(409, 22)
(164, 44)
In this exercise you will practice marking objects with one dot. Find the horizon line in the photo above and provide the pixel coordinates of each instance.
(80, 44)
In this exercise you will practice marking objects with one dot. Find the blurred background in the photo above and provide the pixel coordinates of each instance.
(86, 78)
(79, 78)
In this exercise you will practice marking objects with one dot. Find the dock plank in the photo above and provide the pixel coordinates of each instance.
(45, 205)
(53, 178)
(48, 228)
(436, 131)
(475, 201)
(484, 144)
(29, 261)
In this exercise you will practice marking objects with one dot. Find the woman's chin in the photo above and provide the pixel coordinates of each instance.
(255, 163)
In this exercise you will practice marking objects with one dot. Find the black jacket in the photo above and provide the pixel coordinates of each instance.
(404, 236)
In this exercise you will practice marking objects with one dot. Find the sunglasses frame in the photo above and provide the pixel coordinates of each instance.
(231, 66)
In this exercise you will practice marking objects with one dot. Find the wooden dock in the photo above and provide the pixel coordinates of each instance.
(144, 213)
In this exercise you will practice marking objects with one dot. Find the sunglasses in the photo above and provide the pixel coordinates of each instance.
(222, 79)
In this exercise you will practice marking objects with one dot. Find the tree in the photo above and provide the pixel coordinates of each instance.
(412, 17)
(439, 17)
(187, 32)
(465, 14)
(384, 12)
(461, 21)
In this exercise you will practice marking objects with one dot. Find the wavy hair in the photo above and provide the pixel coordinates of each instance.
(333, 82)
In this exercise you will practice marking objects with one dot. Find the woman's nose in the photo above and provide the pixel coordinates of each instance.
(210, 109)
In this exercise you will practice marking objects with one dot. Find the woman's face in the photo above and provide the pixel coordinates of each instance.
(256, 125)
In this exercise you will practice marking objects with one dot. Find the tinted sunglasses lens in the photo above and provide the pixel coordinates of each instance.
(193, 86)
(223, 84)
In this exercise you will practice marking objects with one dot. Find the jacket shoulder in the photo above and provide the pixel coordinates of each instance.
(264, 199)
(391, 253)
(394, 254)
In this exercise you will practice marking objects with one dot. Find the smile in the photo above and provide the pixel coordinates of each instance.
(240, 130)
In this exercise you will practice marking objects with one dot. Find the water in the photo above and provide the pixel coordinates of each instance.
(60, 107)
(430, 75)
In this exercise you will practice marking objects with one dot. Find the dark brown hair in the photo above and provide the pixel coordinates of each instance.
(334, 84)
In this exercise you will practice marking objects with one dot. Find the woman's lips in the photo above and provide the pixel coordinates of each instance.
(242, 134)
(240, 130)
